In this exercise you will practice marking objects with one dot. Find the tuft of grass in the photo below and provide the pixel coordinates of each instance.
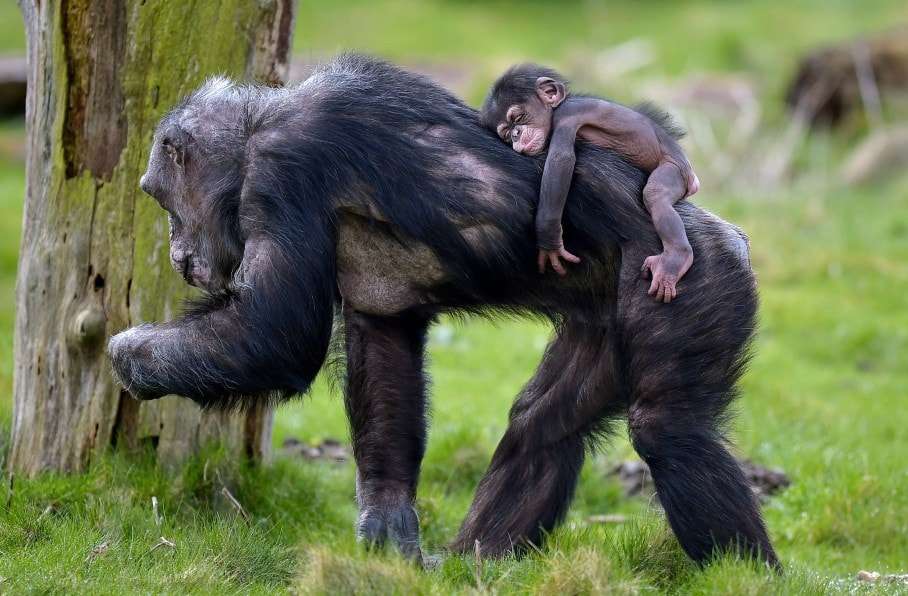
(586, 570)
(86, 533)
(327, 571)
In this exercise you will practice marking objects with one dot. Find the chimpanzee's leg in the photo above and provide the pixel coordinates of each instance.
(386, 405)
(682, 364)
(701, 487)
(561, 411)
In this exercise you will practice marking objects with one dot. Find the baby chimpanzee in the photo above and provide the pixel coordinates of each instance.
(529, 107)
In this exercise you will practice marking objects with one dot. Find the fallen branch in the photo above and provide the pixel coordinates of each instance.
(47, 511)
(162, 542)
(867, 87)
(233, 501)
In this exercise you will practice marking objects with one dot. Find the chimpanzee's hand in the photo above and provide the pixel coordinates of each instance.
(554, 257)
(133, 361)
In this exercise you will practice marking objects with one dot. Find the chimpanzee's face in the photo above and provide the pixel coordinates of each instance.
(196, 193)
(527, 126)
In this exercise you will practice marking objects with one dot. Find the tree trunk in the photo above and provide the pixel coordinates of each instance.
(94, 255)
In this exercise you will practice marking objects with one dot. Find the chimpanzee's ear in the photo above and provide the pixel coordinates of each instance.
(174, 140)
(550, 91)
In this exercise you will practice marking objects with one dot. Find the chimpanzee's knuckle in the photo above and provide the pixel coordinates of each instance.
(118, 345)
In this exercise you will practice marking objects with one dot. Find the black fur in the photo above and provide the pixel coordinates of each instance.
(357, 132)
(662, 118)
(513, 87)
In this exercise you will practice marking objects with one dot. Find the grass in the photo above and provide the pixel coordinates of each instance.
(754, 36)
(823, 398)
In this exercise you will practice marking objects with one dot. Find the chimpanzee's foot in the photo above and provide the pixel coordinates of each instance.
(403, 529)
(371, 528)
(430, 562)
(399, 523)
(667, 270)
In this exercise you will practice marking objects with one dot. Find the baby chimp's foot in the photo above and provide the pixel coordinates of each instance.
(667, 269)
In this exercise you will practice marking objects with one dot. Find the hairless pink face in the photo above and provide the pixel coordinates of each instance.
(528, 125)
(529, 140)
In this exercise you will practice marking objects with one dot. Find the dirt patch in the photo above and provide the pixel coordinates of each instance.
(328, 450)
(874, 577)
(635, 478)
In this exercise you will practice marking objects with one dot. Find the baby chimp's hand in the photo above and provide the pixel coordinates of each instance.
(554, 257)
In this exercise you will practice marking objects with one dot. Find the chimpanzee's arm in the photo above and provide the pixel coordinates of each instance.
(270, 335)
(556, 182)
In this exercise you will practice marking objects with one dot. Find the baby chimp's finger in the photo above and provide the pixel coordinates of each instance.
(666, 293)
(653, 286)
(540, 261)
(556, 263)
(568, 256)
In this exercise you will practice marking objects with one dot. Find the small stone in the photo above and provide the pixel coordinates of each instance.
(635, 478)
(868, 576)
(896, 578)
(329, 449)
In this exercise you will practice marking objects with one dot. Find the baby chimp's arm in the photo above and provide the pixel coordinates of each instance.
(556, 182)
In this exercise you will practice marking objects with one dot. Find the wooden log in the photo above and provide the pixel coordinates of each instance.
(835, 81)
(94, 253)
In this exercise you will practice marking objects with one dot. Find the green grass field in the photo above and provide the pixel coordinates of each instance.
(823, 398)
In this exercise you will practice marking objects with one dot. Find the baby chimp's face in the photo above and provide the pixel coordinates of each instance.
(527, 126)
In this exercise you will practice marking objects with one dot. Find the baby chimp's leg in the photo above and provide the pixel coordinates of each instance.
(665, 187)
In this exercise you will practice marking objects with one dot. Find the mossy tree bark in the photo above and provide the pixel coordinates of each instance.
(94, 254)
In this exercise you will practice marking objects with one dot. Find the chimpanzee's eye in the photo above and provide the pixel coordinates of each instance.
(170, 149)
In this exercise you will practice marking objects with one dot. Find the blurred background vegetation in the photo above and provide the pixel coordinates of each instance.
(824, 399)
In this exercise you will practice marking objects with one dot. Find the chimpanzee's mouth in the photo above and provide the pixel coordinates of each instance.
(187, 270)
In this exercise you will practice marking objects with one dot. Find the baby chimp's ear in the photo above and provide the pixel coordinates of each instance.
(550, 91)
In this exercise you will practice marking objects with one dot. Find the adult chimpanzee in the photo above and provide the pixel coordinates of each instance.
(371, 188)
